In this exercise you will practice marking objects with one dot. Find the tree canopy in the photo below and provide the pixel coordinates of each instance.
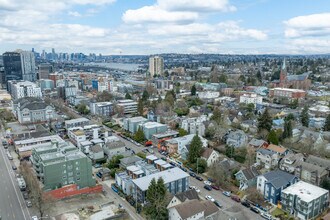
(304, 118)
(139, 135)
(195, 149)
(156, 196)
(327, 124)
(193, 90)
(265, 121)
(272, 137)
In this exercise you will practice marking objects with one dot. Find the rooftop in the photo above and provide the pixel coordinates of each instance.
(305, 191)
(76, 120)
(168, 176)
(289, 90)
(152, 124)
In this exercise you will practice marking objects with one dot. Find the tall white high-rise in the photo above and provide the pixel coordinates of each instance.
(28, 65)
(156, 66)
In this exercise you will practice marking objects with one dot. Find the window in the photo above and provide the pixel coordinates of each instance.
(64, 177)
(78, 173)
(78, 179)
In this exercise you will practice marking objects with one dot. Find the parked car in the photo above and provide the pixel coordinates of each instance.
(209, 198)
(215, 187)
(34, 218)
(226, 193)
(184, 169)
(207, 187)
(211, 180)
(207, 183)
(246, 204)
(236, 198)
(192, 174)
(97, 165)
(254, 209)
(25, 195)
(28, 203)
(14, 167)
(266, 216)
(199, 178)
(217, 203)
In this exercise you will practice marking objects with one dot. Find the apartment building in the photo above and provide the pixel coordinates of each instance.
(128, 106)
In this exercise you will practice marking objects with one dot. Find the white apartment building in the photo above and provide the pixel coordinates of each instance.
(129, 106)
(22, 89)
(194, 125)
(156, 65)
(249, 98)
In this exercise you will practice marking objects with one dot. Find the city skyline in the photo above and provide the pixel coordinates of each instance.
(148, 27)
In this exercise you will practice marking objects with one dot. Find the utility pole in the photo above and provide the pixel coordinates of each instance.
(197, 165)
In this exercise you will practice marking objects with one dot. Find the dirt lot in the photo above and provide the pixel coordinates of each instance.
(71, 205)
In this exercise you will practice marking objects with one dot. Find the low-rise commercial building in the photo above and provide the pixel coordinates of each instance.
(78, 122)
(250, 98)
(287, 93)
(128, 106)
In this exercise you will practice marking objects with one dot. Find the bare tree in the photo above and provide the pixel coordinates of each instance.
(40, 200)
(219, 175)
(254, 195)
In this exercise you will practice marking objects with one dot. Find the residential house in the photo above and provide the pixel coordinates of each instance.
(210, 156)
(312, 137)
(311, 173)
(272, 183)
(114, 148)
(290, 162)
(256, 143)
(182, 197)
(304, 200)
(317, 123)
(194, 125)
(129, 161)
(194, 209)
(175, 181)
(180, 145)
(229, 165)
(237, 138)
(247, 177)
(267, 158)
(96, 152)
(281, 151)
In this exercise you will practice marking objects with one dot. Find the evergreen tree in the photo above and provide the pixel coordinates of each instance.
(304, 118)
(289, 117)
(327, 124)
(128, 96)
(287, 133)
(140, 107)
(193, 90)
(139, 135)
(259, 77)
(170, 97)
(272, 137)
(157, 202)
(195, 149)
(145, 95)
(265, 121)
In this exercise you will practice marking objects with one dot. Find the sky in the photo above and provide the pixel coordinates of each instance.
(166, 26)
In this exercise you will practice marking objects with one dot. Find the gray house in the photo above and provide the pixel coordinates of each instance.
(114, 148)
(237, 139)
(96, 152)
(247, 177)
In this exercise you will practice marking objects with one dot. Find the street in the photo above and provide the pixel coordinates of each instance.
(12, 204)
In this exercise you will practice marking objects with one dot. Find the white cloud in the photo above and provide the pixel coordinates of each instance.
(157, 14)
(196, 5)
(309, 25)
(74, 14)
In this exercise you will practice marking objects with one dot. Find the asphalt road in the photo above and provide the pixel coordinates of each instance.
(12, 205)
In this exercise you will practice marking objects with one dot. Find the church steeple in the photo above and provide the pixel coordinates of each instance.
(283, 74)
(283, 65)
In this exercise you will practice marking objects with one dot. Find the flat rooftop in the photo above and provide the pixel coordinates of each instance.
(39, 139)
(76, 120)
(168, 176)
(137, 119)
(305, 191)
(166, 134)
(289, 90)
(152, 124)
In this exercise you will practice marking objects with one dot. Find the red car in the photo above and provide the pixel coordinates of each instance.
(236, 198)
(215, 187)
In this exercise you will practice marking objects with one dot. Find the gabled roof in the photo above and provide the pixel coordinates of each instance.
(278, 178)
(193, 207)
(207, 153)
(300, 77)
(276, 148)
(325, 163)
(256, 142)
(187, 195)
(250, 173)
(265, 151)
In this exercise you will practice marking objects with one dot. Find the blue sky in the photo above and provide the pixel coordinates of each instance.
(166, 26)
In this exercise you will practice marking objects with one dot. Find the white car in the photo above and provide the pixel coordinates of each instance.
(195, 188)
(209, 198)
(266, 216)
(34, 218)
(207, 183)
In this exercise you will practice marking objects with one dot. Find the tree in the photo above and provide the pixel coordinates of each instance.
(272, 137)
(304, 118)
(139, 135)
(259, 77)
(219, 175)
(327, 124)
(182, 132)
(157, 202)
(287, 133)
(41, 201)
(265, 121)
(82, 109)
(289, 117)
(128, 96)
(217, 116)
(145, 96)
(195, 149)
(201, 166)
(140, 107)
(294, 104)
(115, 161)
(193, 90)
(223, 78)
(104, 96)
(170, 98)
